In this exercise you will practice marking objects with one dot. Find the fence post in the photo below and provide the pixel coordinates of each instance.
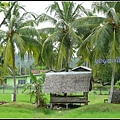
(12, 96)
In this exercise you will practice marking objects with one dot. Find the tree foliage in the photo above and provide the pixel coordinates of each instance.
(103, 42)
(63, 37)
(20, 28)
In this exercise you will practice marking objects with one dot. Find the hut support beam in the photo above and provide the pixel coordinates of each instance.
(66, 105)
(85, 96)
(51, 105)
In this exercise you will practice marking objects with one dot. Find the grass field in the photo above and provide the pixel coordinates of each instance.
(23, 108)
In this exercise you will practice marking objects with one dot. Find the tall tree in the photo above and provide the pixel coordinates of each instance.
(62, 35)
(103, 43)
(19, 27)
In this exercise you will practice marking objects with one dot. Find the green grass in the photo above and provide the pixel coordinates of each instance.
(23, 108)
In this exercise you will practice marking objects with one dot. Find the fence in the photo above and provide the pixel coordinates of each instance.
(10, 89)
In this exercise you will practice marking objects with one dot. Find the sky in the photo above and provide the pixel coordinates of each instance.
(38, 7)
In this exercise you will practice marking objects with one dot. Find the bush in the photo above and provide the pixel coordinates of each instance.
(117, 85)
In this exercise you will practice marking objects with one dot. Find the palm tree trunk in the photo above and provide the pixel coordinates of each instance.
(14, 95)
(86, 63)
(67, 66)
(67, 55)
(112, 86)
(14, 76)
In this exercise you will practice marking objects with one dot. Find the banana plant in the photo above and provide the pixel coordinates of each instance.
(36, 92)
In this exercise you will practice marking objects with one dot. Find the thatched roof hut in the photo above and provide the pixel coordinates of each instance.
(67, 82)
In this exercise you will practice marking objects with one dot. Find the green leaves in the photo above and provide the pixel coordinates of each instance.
(44, 17)
(64, 35)
(34, 79)
(88, 21)
(19, 43)
(114, 50)
(115, 16)
(37, 91)
(2, 35)
(3, 5)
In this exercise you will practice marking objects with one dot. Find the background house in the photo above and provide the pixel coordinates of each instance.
(20, 80)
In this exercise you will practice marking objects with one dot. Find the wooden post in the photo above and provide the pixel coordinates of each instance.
(66, 105)
(51, 106)
(86, 97)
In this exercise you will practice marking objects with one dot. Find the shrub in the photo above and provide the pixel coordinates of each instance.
(117, 85)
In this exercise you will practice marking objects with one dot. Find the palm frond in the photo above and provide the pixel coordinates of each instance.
(76, 13)
(7, 54)
(29, 30)
(113, 51)
(44, 18)
(75, 39)
(12, 21)
(56, 36)
(33, 77)
(61, 54)
(26, 23)
(100, 7)
(2, 34)
(19, 43)
(115, 16)
(47, 30)
(88, 21)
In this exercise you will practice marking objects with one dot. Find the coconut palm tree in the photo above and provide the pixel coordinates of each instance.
(103, 43)
(19, 29)
(62, 35)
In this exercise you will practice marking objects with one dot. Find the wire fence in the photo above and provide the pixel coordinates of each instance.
(10, 89)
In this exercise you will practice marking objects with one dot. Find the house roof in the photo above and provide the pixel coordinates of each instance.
(81, 68)
(67, 82)
(21, 76)
(78, 68)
